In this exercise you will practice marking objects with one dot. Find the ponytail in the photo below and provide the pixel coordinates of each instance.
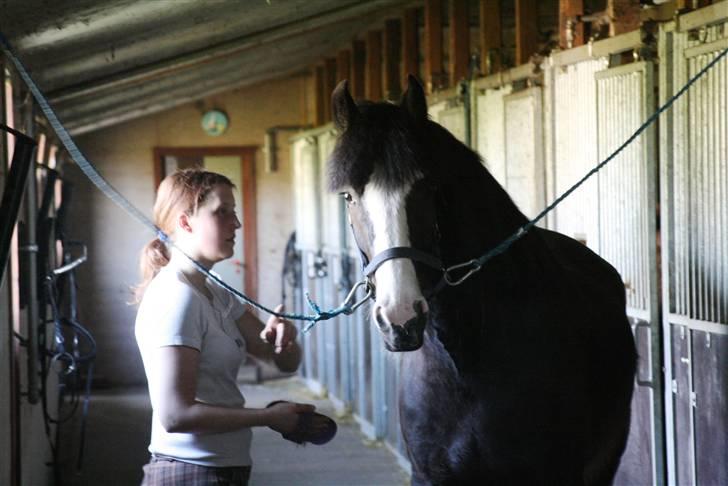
(154, 256)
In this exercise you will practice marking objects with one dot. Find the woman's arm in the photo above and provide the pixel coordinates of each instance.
(173, 396)
(273, 342)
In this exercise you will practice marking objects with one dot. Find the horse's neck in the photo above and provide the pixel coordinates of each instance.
(475, 213)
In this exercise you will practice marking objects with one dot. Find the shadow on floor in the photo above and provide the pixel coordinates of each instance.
(118, 435)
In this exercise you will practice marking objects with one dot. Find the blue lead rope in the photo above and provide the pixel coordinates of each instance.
(521, 232)
(95, 177)
(109, 191)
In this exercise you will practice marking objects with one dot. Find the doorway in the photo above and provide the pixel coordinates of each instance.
(238, 165)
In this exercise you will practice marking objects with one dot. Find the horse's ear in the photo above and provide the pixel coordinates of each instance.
(414, 101)
(343, 106)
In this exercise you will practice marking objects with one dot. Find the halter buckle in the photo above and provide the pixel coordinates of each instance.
(451, 281)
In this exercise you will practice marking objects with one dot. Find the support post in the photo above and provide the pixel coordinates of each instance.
(526, 30)
(374, 66)
(392, 58)
(434, 77)
(343, 65)
(459, 41)
(358, 68)
(329, 85)
(490, 37)
(318, 96)
(410, 47)
(571, 29)
(624, 16)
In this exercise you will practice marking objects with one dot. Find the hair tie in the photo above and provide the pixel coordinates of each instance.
(162, 236)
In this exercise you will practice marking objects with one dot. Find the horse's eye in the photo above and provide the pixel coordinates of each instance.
(347, 197)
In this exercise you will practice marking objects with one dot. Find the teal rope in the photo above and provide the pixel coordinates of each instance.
(521, 232)
(109, 191)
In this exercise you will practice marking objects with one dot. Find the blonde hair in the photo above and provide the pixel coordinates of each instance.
(181, 192)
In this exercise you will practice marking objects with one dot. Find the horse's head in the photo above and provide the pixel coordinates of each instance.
(380, 166)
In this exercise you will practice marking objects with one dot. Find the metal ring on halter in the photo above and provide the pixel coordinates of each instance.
(352, 295)
(71, 361)
(446, 274)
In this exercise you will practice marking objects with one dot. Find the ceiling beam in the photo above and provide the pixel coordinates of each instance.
(363, 12)
(145, 109)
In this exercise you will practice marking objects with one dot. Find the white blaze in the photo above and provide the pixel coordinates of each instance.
(396, 281)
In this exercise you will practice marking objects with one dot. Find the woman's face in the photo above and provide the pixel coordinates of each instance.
(210, 237)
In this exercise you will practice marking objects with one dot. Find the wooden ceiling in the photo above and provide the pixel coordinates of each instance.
(101, 62)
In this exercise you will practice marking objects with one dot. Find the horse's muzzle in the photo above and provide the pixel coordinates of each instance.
(406, 337)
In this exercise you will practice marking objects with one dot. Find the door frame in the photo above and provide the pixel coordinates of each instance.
(248, 194)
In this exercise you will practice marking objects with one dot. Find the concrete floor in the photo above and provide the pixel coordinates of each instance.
(118, 434)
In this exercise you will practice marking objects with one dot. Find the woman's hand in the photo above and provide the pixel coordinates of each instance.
(284, 416)
(279, 332)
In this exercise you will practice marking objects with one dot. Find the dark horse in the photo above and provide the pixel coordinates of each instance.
(522, 374)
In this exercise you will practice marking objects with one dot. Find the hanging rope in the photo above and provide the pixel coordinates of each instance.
(109, 191)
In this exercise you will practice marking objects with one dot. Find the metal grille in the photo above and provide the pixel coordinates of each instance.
(626, 185)
(704, 259)
(490, 138)
(575, 148)
(699, 280)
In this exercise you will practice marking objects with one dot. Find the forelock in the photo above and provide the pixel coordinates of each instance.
(380, 146)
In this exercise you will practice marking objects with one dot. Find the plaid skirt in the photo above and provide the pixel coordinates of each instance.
(163, 471)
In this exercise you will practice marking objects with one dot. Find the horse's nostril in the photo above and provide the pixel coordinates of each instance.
(421, 307)
(381, 320)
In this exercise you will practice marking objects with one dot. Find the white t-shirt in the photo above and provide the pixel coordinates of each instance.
(174, 313)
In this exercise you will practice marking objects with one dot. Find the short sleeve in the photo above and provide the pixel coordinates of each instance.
(238, 308)
(171, 318)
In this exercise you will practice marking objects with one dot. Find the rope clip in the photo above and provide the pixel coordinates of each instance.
(368, 288)
(451, 281)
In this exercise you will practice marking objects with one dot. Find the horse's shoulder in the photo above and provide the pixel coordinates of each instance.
(577, 259)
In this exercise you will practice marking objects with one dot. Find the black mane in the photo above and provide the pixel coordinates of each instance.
(380, 145)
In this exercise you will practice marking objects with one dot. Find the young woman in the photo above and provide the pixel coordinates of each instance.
(193, 336)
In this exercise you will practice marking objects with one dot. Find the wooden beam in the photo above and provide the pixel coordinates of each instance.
(343, 65)
(681, 5)
(410, 45)
(571, 29)
(490, 37)
(373, 90)
(459, 41)
(392, 58)
(319, 112)
(329, 85)
(357, 80)
(526, 30)
(434, 77)
(624, 16)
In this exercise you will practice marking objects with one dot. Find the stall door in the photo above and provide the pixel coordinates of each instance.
(628, 240)
(694, 190)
